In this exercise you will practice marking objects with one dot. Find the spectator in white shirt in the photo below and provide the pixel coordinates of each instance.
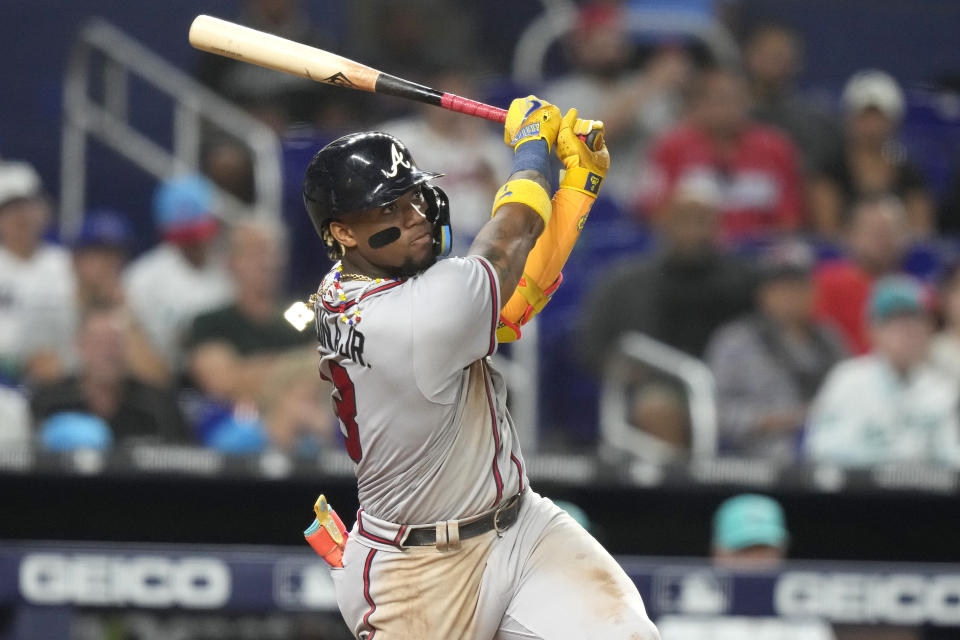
(890, 405)
(37, 292)
(184, 275)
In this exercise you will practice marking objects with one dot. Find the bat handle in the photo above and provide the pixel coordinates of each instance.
(470, 107)
(473, 108)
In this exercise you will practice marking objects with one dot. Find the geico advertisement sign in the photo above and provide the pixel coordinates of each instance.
(141, 581)
(895, 598)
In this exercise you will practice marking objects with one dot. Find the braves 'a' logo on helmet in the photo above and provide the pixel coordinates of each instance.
(397, 161)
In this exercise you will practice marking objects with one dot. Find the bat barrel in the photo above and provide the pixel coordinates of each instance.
(273, 52)
(266, 50)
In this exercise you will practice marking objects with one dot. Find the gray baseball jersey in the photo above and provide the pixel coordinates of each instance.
(422, 411)
(425, 419)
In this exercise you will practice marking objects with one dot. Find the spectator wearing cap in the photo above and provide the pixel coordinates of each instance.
(755, 166)
(769, 364)
(749, 535)
(37, 290)
(182, 277)
(103, 387)
(74, 430)
(872, 160)
(749, 532)
(681, 294)
(876, 239)
(100, 252)
(890, 405)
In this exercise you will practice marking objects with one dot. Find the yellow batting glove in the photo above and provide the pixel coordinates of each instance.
(586, 167)
(529, 119)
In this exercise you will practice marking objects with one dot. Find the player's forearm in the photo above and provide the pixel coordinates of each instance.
(509, 236)
(565, 216)
(522, 207)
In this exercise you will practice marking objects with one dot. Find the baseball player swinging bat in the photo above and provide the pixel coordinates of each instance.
(273, 52)
(450, 540)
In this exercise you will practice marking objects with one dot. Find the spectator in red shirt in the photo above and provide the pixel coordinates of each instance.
(877, 239)
(755, 165)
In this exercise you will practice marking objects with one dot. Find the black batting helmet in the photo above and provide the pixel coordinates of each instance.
(366, 170)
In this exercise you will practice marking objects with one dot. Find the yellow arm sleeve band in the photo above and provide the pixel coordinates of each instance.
(541, 274)
(525, 192)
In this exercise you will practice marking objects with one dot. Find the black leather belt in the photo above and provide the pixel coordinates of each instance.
(499, 520)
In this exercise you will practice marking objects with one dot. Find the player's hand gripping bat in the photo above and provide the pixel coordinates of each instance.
(266, 50)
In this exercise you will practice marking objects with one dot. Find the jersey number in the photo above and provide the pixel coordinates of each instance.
(346, 405)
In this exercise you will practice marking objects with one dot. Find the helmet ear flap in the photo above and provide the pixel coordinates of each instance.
(438, 214)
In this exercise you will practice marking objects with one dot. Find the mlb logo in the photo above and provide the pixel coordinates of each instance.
(695, 591)
(300, 585)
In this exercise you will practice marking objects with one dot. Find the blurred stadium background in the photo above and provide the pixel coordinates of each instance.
(766, 302)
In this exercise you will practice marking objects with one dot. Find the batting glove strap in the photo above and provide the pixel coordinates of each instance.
(583, 180)
(525, 192)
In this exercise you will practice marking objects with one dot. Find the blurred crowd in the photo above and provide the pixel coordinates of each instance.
(793, 247)
(184, 344)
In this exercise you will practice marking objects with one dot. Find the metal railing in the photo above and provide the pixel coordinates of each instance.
(560, 17)
(105, 53)
(694, 375)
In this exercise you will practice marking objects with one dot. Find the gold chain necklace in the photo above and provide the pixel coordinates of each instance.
(357, 276)
(335, 291)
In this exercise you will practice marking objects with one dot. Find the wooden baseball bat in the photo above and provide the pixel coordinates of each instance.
(266, 50)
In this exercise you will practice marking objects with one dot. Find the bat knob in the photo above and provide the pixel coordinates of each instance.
(594, 140)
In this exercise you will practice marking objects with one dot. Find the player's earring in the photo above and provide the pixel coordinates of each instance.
(335, 250)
